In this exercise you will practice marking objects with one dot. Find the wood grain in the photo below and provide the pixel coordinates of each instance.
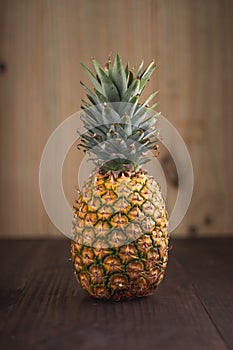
(42, 43)
(211, 277)
(42, 306)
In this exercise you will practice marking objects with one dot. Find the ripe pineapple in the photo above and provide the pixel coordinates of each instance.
(120, 240)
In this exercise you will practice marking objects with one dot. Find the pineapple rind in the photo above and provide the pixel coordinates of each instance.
(120, 255)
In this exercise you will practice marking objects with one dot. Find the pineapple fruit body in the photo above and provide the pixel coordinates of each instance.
(120, 246)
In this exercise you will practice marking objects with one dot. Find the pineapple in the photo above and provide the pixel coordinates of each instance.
(119, 236)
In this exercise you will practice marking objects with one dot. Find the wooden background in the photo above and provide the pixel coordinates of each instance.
(41, 45)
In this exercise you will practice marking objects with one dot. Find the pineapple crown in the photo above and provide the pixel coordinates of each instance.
(119, 130)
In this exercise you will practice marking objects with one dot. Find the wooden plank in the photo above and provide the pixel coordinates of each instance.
(18, 260)
(52, 312)
(209, 264)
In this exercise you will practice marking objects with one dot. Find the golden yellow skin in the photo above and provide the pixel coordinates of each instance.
(120, 239)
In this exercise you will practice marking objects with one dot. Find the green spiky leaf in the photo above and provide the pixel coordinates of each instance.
(125, 130)
(132, 91)
(146, 75)
(108, 87)
(92, 78)
(118, 75)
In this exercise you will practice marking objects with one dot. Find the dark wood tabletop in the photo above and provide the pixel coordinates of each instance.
(42, 306)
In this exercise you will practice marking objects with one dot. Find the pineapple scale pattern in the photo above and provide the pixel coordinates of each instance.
(120, 239)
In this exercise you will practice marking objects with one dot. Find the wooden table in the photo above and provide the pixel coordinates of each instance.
(42, 306)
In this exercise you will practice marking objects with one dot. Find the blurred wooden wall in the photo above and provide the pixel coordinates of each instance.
(41, 45)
